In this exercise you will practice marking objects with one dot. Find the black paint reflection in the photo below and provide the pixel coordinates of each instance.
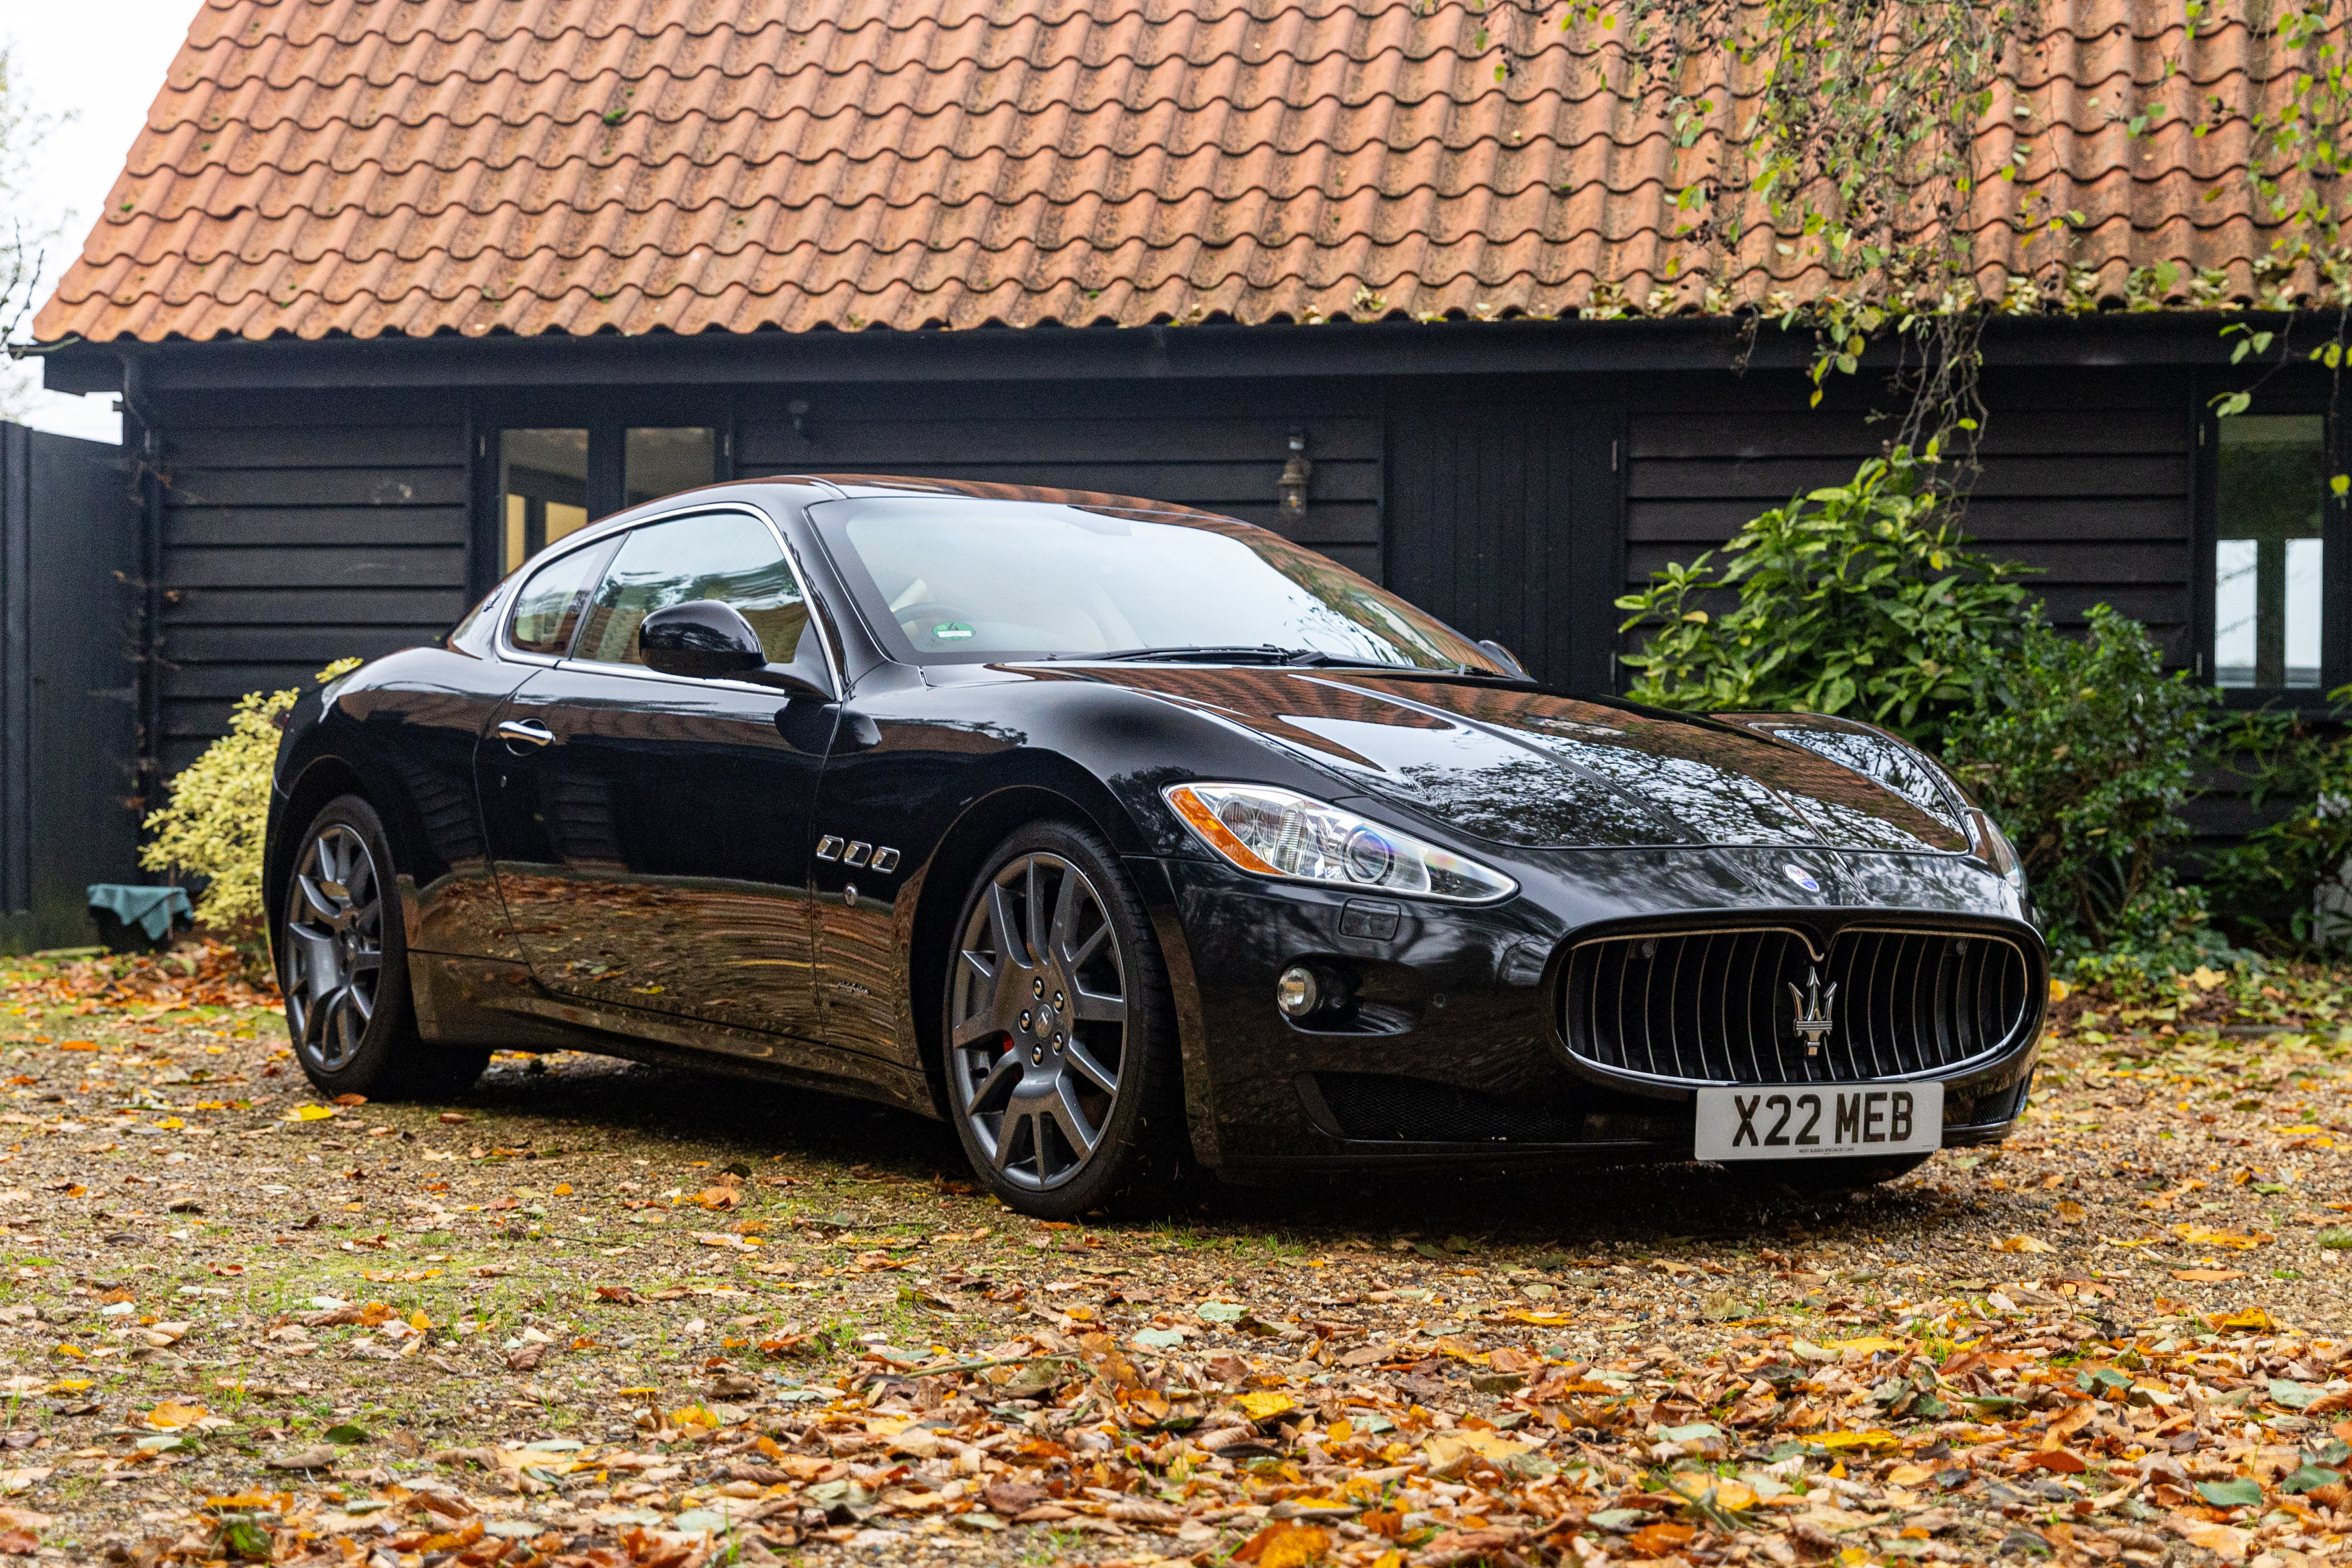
(656, 853)
(1523, 767)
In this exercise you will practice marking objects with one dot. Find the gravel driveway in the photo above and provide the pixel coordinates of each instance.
(598, 1314)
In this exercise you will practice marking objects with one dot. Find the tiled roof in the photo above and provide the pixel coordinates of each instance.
(376, 167)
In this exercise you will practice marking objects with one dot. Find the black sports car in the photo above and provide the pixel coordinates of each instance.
(1126, 838)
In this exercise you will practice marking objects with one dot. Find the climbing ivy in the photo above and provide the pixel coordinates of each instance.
(1857, 138)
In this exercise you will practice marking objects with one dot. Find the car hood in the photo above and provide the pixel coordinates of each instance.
(1529, 768)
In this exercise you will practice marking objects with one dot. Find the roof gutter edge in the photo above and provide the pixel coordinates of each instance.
(1223, 351)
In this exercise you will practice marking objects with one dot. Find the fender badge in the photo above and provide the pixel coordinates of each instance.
(1802, 878)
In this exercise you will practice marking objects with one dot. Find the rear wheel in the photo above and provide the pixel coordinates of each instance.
(342, 959)
(1059, 1032)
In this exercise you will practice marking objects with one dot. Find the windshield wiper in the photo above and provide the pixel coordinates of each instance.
(1255, 653)
(1261, 653)
(1317, 659)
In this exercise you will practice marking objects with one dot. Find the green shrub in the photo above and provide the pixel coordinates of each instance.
(2085, 752)
(2272, 882)
(1858, 600)
(212, 823)
(1862, 600)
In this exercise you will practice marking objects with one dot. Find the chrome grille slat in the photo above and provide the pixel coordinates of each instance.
(1939, 1016)
(1673, 1023)
(1747, 1004)
(1887, 1029)
(1876, 1002)
(1712, 1007)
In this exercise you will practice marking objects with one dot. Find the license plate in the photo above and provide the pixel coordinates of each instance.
(1810, 1121)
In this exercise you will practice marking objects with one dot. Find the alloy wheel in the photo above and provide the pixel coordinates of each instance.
(1038, 1021)
(334, 946)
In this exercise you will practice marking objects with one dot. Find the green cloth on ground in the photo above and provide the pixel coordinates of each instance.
(151, 910)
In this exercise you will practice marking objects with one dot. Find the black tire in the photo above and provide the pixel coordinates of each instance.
(1827, 1178)
(342, 964)
(1026, 1067)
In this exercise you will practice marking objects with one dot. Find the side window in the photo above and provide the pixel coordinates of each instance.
(548, 608)
(727, 557)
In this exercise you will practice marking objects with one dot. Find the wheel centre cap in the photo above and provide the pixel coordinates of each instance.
(1048, 1021)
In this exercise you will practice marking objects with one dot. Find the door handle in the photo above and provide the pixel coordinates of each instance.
(525, 732)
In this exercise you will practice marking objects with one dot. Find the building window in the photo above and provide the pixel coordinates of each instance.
(543, 487)
(2270, 492)
(551, 481)
(663, 461)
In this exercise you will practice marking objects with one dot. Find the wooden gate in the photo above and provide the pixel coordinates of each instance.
(68, 741)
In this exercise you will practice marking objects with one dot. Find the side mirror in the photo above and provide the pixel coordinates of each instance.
(701, 640)
(1504, 656)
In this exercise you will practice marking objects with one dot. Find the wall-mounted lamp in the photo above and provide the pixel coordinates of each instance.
(1292, 486)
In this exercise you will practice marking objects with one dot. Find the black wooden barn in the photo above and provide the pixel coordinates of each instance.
(377, 339)
(312, 500)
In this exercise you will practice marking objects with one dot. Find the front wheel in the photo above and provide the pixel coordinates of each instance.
(343, 960)
(1060, 1032)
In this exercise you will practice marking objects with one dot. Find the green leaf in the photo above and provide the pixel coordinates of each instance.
(1618, 1519)
(2294, 1396)
(2308, 1477)
(2240, 1493)
(347, 1433)
(245, 1539)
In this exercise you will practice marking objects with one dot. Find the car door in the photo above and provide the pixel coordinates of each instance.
(651, 833)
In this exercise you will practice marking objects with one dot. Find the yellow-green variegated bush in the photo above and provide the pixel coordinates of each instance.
(211, 825)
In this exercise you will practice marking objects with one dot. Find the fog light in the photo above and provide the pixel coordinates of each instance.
(1299, 992)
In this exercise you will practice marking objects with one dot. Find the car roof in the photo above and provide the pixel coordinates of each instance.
(805, 489)
(862, 486)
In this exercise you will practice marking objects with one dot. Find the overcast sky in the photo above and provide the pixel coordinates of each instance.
(101, 61)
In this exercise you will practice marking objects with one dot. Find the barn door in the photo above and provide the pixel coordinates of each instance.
(1505, 521)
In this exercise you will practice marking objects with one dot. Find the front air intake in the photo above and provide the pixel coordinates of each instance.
(1756, 1005)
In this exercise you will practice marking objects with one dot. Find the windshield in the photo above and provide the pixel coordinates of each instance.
(966, 580)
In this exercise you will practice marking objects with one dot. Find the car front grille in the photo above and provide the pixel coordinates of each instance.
(1724, 1006)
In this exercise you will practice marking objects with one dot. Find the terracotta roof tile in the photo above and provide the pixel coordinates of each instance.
(414, 166)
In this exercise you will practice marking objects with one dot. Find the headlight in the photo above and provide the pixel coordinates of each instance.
(1275, 833)
(1992, 847)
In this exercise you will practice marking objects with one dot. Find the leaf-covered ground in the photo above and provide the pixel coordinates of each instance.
(595, 1314)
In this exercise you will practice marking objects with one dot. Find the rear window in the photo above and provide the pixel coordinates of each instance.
(547, 611)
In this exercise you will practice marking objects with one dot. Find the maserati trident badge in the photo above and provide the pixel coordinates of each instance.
(1813, 1006)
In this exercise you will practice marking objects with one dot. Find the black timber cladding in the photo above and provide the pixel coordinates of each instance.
(1213, 451)
(298, 535)
(2090, 478)
(305, 526)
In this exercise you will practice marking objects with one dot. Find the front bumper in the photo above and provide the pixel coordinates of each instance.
(1457, 1056)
